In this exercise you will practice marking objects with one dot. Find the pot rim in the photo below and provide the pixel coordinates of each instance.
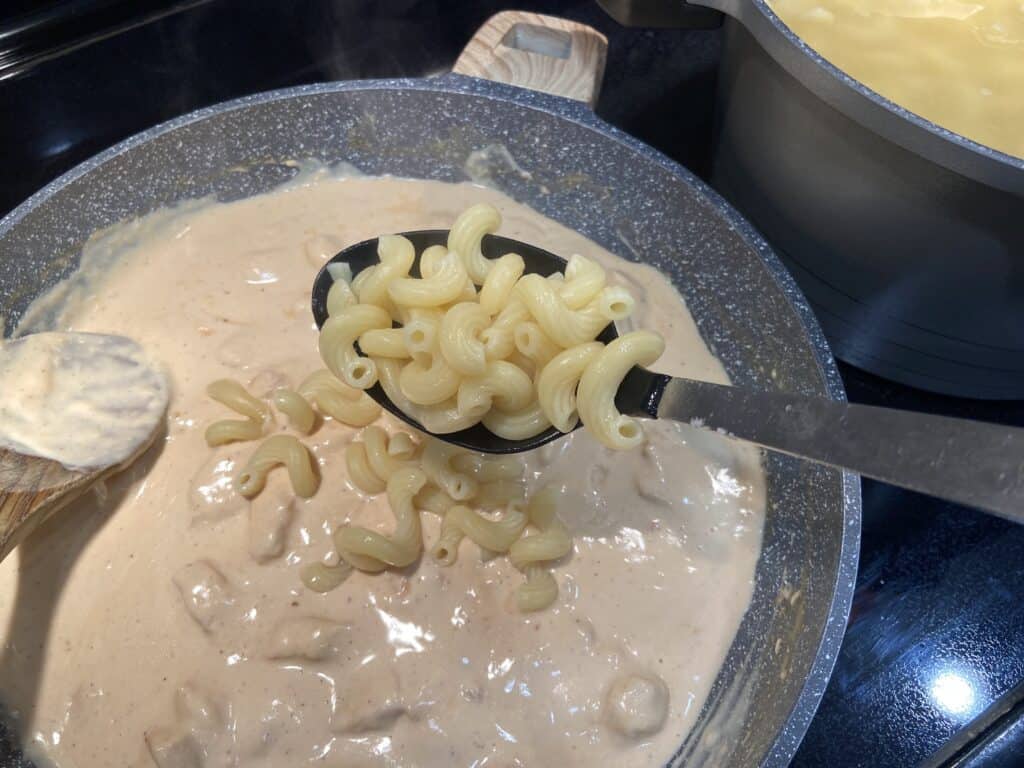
(816, 681)
(870, 109)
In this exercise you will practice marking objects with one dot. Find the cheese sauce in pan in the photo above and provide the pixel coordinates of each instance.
(163, 622)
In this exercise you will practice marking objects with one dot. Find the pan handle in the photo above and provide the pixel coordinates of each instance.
(542, 53)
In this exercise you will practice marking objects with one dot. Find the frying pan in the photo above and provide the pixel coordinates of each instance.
(515, 114)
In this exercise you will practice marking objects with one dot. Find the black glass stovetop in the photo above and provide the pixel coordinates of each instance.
(932, 668)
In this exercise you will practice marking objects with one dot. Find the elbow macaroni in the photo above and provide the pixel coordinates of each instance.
(339, 401)
(337, 343)
(459, 338)
(551, 541)
(491, 535)
(232, 394)
(276, 451)
(557, 383)
(479, 497)
(470, 341)
(298, 410)
(601, 380)
(512, 357)
(467, 234)
(370, 551)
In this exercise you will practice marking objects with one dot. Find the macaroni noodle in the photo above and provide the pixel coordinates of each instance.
(276, 451)
(232, 394)
(492, 535)
(371, 551)
(595, 398)
(550, 542)
(467, 234)
(337, 343)
(298, 410)
(339, 401)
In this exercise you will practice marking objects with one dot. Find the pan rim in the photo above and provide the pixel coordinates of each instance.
(797, 721)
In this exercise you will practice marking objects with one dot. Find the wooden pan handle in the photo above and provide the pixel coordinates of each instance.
(542, 53)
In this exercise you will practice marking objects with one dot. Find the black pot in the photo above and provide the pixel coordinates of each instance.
(908, 239)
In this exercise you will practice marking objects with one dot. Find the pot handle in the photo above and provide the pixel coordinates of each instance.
(542, 53)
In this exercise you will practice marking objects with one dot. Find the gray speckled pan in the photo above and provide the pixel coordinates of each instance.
(574, 168)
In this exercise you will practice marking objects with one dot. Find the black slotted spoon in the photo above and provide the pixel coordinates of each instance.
(969, 462)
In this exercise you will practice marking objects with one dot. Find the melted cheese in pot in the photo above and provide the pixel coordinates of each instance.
(164, 623)
(958, 63)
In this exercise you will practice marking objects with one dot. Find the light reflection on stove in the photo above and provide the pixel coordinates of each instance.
(955, 693)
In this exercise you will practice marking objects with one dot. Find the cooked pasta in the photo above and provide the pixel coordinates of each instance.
(431, 258)
(339, 401)
(433, 499)
(437, 463)
(459, 337)
(556, 385)
(498, 493)
(444, 286)
(467, 234)
(275, 451)
(232, 394)
(517, 425)
(397, 256)
(337, 343)
(534, 344)
(487, 469)
(384, 342)
(360, 473)
(527, 365)
(323, 578)
(371, 551)
(550, 541)
(615, 303)
(539, 591)
(430, 262)
(479, 497)
(497, 338)
(502, 384)
(493, 535)
(595, 398)
(430, 383)
(420, 334)
(402, 446)
(567, 327)
(512, 357)
(437, 419)
(298, 410)
(469, 341)
(339, 296)
(372, 461)
(584, 280)
(500, 282)
(382, 461)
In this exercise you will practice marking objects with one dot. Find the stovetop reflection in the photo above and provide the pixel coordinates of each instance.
(932, 661)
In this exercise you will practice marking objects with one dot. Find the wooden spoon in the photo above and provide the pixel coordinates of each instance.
(75, 408)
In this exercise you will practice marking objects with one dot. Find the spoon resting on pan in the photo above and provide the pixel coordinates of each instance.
(74, 409)
(969, 462)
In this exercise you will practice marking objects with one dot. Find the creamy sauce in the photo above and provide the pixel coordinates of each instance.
(166, 624)
(85, 400)
(958, 63)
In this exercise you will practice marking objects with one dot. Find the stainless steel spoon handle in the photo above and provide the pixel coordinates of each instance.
(970, 462)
